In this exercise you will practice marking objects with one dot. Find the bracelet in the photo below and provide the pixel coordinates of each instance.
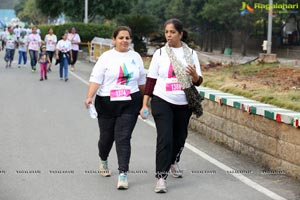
(200, 79)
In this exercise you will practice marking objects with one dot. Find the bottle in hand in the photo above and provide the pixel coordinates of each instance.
(92, 111)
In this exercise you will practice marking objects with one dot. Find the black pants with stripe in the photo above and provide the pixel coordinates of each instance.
(172, 129)
(119, 130)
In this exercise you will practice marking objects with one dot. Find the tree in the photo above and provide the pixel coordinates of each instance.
(30, 13)
(107, 8)
(49, 8)
(141, 26)
(176, 9)
(19, 7)
(228, 14)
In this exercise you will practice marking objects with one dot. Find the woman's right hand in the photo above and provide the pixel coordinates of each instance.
(142, 110)
(88, 101)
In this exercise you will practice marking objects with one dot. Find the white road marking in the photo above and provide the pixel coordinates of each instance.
(79, 78)
(215, 162)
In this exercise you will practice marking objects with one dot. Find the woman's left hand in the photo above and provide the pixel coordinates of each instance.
(191, 70)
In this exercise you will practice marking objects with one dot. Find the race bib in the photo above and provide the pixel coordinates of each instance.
(173, 86)
(34, 45)
(120, 93)
(10, 42)
(50, 43)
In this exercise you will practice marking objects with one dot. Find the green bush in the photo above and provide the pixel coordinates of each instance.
(86, 31)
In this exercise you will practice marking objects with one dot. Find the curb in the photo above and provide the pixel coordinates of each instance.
(251, 106)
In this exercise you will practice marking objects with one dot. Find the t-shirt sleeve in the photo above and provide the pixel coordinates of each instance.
(142, 78)
(78, 38)
(154, 65)
(97, 75)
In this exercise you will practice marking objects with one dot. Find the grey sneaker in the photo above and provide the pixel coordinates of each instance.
(104, 168)
(122, 181)
(161, 186)
(175, 171)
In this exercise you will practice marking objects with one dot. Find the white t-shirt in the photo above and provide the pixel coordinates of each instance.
(64, 46)
(34, 41)
(50, 42)
(115, 68)
(10, 41)
(23, 46)
(167, 86)
(17, 31)
(28, 31)
(74, 38)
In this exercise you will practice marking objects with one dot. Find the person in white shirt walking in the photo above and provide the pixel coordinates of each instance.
(22, 49)
(169, 104)
(50, 40)
(34, 44)
(63, 54)
(118, 79)
(74, 38)
(11, 43)
(17, 31)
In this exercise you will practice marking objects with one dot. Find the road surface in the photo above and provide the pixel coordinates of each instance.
(48, 150)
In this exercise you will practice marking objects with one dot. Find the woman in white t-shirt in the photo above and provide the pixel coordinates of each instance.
(34, 43)
(118, 79)
(11, 42)
(50, 40)
(22, 49)
(63, 54)
(74, 38)
(169, 103)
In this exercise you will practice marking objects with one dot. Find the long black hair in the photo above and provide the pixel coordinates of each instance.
(178, 26)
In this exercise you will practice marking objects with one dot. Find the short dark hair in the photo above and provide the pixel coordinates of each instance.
(122, 28)
(62, 35)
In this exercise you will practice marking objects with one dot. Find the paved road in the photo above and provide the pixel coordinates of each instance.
(48, 151)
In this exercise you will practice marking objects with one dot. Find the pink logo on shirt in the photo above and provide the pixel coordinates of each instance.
(171, 73)
(124, 75)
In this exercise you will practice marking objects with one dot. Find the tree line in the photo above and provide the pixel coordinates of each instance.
(206, 20)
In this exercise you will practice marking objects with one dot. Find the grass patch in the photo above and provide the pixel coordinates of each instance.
(267, 83)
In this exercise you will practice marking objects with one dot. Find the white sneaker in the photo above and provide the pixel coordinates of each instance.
(175, 171)
(122, 181)
(161, 186)
(104, 171)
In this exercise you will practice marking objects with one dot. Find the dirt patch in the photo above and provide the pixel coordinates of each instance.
(281, 77)
(285, 77)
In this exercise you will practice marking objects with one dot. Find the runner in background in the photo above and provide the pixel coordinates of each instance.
(22, 49)
(63, 54)
(11, 42)
(34, 43)
(74, 38)
(50, 40)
